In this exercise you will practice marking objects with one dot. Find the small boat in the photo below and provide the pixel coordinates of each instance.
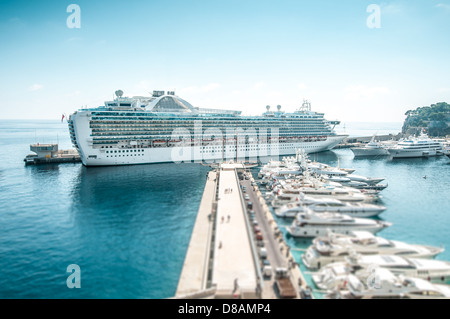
(334, 274)
(338, 179)
(313, 224)
(351, 209)
(336, 247)
(373, 148)
(384, 284)
(320, 205)
(364, 179)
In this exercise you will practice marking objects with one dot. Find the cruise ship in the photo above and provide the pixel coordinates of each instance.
(166, 128)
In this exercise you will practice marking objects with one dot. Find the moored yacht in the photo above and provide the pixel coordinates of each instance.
(343, 194)
(364, 179)
(351, 209)
(422, 146)
(373, 148)
(432, 270)
(384, 284)
(320, 205)
(336, 247)
(312, 224)
(334, 274)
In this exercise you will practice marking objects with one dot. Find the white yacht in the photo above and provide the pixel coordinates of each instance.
(364, 186)
(347, 208)
(422, 146)
(384, 284)
(335, 247)
(320, 205)
(312, 224)
(364, 179)
(342, 193)
(353, 197)
(326, 170)
(334, 274)
(433, 270)
(336, 178)
(291, 209)
(373, 148)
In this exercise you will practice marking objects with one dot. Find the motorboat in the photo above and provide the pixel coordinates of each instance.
(421, 146)
(364, 179)
(336, 247)
(342, 194)
(330, 171)
(334, 274)
(311, 224)
(351, 209)
(383, 284)
(338, 179)
(432, 270)
(373, 148)
(324, 204)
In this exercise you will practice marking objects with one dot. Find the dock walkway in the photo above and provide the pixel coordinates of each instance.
(234, 268)
(195, 269)
(222, 260)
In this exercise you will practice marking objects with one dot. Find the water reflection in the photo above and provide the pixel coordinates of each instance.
(135, 221)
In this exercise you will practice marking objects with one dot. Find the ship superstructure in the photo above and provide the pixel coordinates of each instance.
(166, 128)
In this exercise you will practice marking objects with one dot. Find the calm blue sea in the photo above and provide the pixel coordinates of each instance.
(128, 227)
(359, 129)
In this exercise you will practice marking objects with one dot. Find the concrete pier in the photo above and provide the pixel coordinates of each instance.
(194, 275)
(223, 259)
(234, 270)
(50, 154)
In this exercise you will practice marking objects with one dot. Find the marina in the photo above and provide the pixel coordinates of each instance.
(329, 229)
(340, 240)
(225, 157)
(234, 251)
(402, 209)
(389, 286)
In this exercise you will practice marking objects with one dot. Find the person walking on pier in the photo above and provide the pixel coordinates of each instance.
(236, 285)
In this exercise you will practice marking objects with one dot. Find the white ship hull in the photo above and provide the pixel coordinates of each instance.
(316, 230)
(141, 134)
(369, 152)
(98, 157)
(313, 260)
(125, 155)
(406, 153)
(360, 213)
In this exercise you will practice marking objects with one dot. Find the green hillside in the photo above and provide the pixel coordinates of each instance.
(434, 118)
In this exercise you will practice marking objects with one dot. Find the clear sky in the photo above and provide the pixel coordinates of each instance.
(241, 54)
